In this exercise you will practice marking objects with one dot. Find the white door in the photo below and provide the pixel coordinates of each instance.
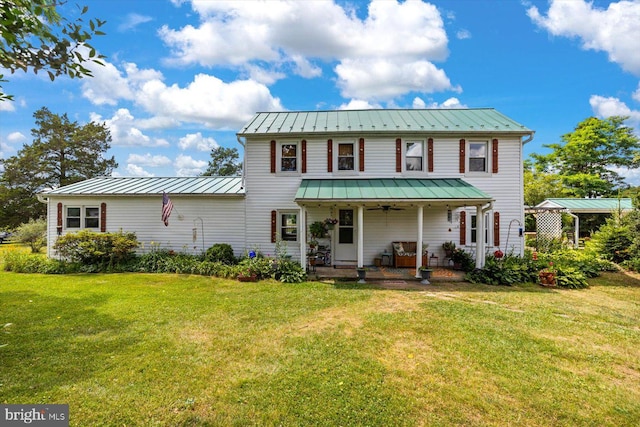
(345, 238)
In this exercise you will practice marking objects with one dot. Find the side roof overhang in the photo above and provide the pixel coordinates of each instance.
(461, 122)
(598, 206)
(152, 186)
(390, 190)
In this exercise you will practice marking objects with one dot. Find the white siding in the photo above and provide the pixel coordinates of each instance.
(267, 191)
(222, 220)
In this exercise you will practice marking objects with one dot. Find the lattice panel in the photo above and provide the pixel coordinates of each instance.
(549, 225)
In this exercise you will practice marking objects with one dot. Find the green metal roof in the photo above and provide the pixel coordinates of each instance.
(204, 185)
(389, 189)
(479, 120)
(588, 205)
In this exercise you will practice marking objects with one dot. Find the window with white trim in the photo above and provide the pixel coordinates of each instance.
(414, 156)
(288, 226)
(478, 156)
(82, 217)
(346, 156)
(288, 157)
(473, 230)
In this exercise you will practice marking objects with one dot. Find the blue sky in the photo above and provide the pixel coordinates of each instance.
(182, 77)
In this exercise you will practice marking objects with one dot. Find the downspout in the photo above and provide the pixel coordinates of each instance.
(45, 200)
(244, 165)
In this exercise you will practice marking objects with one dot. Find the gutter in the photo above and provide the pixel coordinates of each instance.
(529, 139)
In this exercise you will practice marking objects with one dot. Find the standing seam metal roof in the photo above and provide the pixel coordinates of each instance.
(478, 120)
(604, 204)
(205, 185)
(399, 189)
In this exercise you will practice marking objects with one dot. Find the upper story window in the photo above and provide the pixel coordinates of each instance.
(83, 217)
(478, 156)
(414, 156)
(289, 158)
(346, 157)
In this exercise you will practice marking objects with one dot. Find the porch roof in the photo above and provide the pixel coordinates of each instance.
(390, 190)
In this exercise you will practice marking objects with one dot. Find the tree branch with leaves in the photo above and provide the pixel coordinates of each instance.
(34, 36)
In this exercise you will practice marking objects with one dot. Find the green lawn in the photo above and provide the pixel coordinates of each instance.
(143, 349)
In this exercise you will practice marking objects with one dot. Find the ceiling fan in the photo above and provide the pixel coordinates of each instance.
(385, 208)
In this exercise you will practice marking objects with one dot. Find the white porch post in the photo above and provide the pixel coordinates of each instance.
(419, 240)
(479, 237)
(303, 237)
(360, 236)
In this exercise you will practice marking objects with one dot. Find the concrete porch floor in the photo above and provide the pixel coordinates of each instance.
(385, 274)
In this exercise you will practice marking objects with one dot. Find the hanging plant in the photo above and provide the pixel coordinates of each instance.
(317, 229)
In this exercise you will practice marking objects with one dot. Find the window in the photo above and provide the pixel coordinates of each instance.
(345, 229)
(478, 157)
(474, 229)
(289, 158)
(77, 216)
(73, 217)
(289, 227)
(414, 156)
(346, 158)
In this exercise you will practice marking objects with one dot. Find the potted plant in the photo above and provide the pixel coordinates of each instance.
(317, 229)
(330, 223)
(462, 260)
(362, 274)
(448, 247)
(313, 243)
(425, 272)
(547, 276)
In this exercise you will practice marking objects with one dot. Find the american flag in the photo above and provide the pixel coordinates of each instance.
(167, 207)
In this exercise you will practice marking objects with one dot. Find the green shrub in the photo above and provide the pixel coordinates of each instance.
(570, 277)
(97, 251)
(288, 271)
(32, 233)
(21, 262)
(221, 252)
(505, 271)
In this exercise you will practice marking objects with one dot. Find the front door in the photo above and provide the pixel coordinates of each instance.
(345, 248)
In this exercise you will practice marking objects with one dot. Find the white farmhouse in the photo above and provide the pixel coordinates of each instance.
(419, 176)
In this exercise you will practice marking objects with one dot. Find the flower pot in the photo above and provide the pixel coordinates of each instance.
(247, 278)
(362, 274)
(426, 275)
(547, 278)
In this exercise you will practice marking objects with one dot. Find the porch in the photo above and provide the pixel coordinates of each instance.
(386, 275)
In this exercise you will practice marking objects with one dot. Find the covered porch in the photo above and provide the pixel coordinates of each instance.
(370, 214)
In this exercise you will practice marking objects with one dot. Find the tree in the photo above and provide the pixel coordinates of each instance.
(34, 36)
(586, 160)
(62, 153)
(224, 162)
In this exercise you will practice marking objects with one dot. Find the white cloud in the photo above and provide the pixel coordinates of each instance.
(386, 79)
(187, 166)
(135, 170)
(208, 100)
(7, 106)
(132, 20)
(615, 30)
(607, 107)
(16, 137)
(406, 35)
(359, 104)
(463, 34)
(148, 160)
(198, 142)
(124, 131)
(108, 84)
(636, 94)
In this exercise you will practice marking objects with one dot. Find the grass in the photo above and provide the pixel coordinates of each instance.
(143, 349)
